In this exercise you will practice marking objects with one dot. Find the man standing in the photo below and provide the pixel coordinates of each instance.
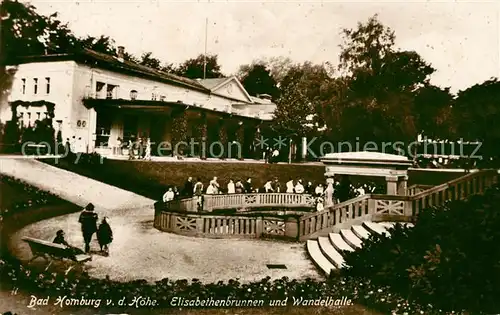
(88, 220)
(188, 187)
(248, 186)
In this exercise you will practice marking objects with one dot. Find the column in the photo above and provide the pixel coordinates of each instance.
(403, 185)
(222, 140)
(392, 185)
(240, 138)
(203, 136)
(304, 148)
(256, 147)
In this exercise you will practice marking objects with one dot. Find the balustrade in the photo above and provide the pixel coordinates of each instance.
(364, 207)
(217, 226)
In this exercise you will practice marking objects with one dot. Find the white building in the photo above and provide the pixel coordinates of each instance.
(101, 100)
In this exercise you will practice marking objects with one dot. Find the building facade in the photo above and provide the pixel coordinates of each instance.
(101, 102)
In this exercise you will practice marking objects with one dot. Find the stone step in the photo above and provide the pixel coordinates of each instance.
(350, 238)
(330, 252)
(360, 232)
(373, 227)
(339, 244)
(389, 225)
(318, 258)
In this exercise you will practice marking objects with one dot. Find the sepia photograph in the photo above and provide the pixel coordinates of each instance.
(173, 157)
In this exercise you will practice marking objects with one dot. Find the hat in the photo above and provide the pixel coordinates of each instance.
(89, 207)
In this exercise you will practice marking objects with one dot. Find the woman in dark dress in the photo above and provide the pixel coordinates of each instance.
(104, 235)
(59, 239)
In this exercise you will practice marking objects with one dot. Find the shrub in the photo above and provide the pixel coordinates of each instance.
(450, 259)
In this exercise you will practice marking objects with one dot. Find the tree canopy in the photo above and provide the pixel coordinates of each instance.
(193, 68)
(258, 80)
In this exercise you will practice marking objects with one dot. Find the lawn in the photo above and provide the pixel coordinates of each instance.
(150, 179)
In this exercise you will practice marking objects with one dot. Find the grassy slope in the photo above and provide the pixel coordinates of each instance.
(150, 178)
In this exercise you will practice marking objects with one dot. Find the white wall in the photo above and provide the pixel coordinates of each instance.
(60, 74)
(70, 83)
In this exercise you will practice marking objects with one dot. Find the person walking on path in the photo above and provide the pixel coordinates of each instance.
(104, 235)
(88, 220)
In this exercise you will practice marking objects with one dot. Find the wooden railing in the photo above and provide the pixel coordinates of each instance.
(243, 201)
(217, 226)
(457, 189)
(212, 202)
(370, 207)
(378, 207)
(417, 188)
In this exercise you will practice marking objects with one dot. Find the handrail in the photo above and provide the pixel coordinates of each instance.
(448, 184)
(365, 207)
(254, 200)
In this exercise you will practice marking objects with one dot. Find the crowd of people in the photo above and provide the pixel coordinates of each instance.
(339, 190)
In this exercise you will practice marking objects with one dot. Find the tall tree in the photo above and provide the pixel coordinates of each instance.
(194, 68)
(258, 80)
(433, 112)
(477, 111)
(375, 100)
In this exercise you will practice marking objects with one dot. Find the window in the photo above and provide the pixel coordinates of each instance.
(111, 91)
(103, 129)
(38, 115)
(35, 86)
(153, 97)
(99, 89)
(133, 95)
(47, 85)
(24, 86)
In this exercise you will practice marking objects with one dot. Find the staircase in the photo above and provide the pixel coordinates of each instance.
(327, 252)
(354, 220)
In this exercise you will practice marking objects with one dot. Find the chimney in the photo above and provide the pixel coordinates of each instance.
(121, 52)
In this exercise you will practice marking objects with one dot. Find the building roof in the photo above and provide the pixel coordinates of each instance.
(91, 57)
(366, 156)
(212, 83)
(113, 63)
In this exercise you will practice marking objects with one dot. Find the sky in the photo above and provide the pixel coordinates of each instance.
(459, 39)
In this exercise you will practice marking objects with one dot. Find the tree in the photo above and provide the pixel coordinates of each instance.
(24, 32)
(305, 83)
(102, 44)
(375, 96)
(277, 66)
(476, 111)
(148, 60)
(433, 112)
(194, 68)
(258, 80)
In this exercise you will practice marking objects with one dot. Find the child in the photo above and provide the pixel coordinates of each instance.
(104, 235)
